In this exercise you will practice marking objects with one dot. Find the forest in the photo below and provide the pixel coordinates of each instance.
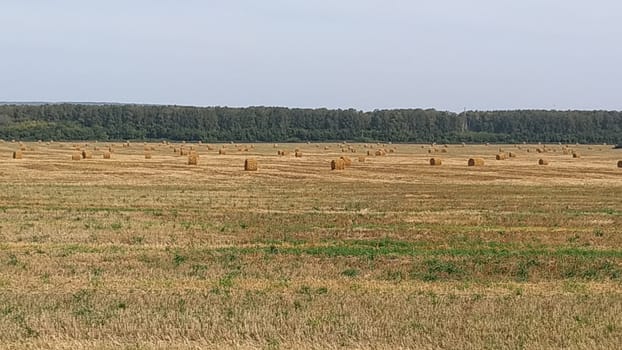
(280, 124)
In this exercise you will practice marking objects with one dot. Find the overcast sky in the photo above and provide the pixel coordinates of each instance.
(363, 54)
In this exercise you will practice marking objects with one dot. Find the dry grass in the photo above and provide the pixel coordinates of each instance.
(131, 253)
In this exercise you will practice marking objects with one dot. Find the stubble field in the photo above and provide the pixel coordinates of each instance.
(390, 253)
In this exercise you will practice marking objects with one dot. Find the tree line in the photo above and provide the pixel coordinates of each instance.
(279, 124)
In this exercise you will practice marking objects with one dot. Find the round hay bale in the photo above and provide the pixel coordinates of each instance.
(370, 153)
(512, 155)
(539, 150)
(18, 154)
(576, 155)
(436, 161)
(76, 156)
(380, 152)
(337, 164)
(476, 162)
(250, 164)
(147, 155)
(326, 148)
(193, 159)
(543, 162)
(222, 151)
(107, 155)
(298, 154)
(620, 164)
(87, 154)
(346, 160)
(361, 159)
(501, 156)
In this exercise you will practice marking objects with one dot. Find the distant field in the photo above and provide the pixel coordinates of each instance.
(389, 253)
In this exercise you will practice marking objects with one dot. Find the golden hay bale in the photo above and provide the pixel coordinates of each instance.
(275, 146)
(391, 150)
(346, 160)
(511, 154)
(620, 164)
(18, 154)
(107, 155)
(443, 150)
(147, 155)
(370, 153)
(436, 161)
(222, 151)
(87, 154)
(543, 162)
(501, 156)
(326, 148)
(539, 150)
(476, 162)
(76, 156)
(298, 154)
(250, 164)
(183, 152)
(337, 164)
(380, 152)
(361, 159)
(193, 159)
(576, 155)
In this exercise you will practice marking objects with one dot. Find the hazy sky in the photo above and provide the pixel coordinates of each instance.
(363, 54)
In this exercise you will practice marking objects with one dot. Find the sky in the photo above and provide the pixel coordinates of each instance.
(363, 54)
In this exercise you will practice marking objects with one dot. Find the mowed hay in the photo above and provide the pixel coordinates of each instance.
(107, 155)
(476, 162)
(87, 154)
(193, 159)
(250, 164)
(436, 161)
(543, 162)
(346, 160)
(76, 156)
(18, 154)
(337, 164)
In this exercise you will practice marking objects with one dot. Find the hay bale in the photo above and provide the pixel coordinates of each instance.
(620, 164)
(193, 159)
(222, 151)
(512, 155)
(337, 164)
(501, 156)
(250, 164)
(18, 154)
(346, 160)
(326, 148)
(436, 161)
(361, 159)
(380, 152)
(298, 154)
(183, 152)
(476, 162)
(147, 155)
(107, 155)
(576, 155)
(87, 154)
(539, 150)
(370, 153)
(76, 156)
(543, 162)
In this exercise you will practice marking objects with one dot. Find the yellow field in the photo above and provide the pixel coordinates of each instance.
(390, 253)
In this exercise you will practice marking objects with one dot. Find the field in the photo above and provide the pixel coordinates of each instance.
(135, 253)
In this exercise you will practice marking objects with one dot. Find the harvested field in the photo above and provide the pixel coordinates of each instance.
(391, 254)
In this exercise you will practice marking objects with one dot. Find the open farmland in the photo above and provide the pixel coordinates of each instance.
(389, 253)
